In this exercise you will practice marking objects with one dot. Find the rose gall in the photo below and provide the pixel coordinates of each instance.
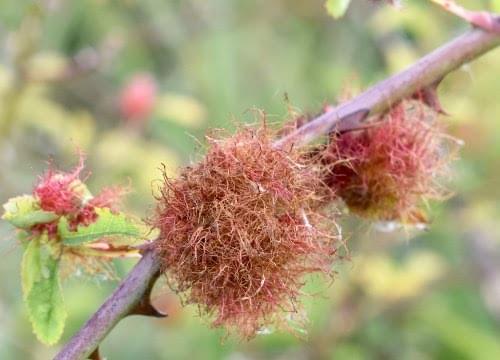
(239, 230)
(389, 170)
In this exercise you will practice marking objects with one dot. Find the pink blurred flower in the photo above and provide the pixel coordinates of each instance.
(138, 97)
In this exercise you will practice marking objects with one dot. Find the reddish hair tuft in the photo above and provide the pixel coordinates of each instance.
(386, 171)
(240, 229)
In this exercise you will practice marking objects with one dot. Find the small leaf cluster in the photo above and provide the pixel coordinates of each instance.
(62, 225)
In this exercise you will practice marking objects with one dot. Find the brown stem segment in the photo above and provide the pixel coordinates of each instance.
(119, 304)
(378, 98)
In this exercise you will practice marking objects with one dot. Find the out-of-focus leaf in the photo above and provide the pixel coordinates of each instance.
(399, 56)
(142, 163)
(38, 111)
(46, 66)
(184, 110)
(24, 212)
(337, 8)
(424, 25)
(344, 351)
(457, 332)
(381, 278)
(44, 299)
(495, 5)
(5, 79)
(107, 224)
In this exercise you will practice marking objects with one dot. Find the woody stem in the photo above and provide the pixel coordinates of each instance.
(425, 72)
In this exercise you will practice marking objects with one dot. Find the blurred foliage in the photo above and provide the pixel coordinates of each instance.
(337, 8)
(63, 66)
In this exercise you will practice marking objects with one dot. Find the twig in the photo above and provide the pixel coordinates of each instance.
(423, 73)
(118, 305)
(378, 98)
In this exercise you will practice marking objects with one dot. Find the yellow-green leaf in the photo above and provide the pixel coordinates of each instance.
(107, 224)
(45, 300)
(337, 8)
(24, 212)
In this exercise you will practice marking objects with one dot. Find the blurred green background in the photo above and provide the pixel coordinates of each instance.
(67, 72)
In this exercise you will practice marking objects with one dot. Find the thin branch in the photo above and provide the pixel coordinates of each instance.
(423, 73)
(378, 98)
(117, 306)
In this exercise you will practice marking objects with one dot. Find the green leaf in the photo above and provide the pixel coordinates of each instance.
(337, 8)
(30, 266)
(45, 300)
(24, 212)
(107, 224)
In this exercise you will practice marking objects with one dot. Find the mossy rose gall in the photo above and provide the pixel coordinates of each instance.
(240, 229)
(388, 170)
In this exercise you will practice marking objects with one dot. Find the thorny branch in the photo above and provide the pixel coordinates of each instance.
(130, 292)
(421, 75)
